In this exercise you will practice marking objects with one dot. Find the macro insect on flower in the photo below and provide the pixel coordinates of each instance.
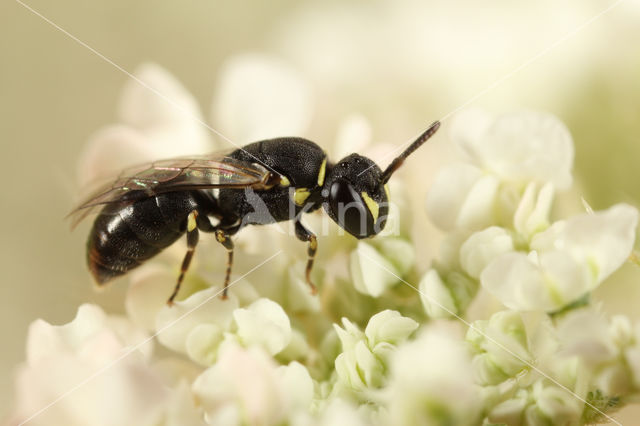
(147, 208)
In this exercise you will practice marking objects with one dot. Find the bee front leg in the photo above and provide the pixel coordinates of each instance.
(305, 235)
(225, 240)
(192, 241)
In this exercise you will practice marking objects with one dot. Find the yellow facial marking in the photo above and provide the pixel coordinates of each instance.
(323, 169)
(301, 196)
(284, 181)
(191, 221)
(371, 205)
(386, 190)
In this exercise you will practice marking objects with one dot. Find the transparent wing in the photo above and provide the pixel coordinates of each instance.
(179, 174)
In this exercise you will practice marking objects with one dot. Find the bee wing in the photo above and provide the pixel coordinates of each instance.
(179, 174)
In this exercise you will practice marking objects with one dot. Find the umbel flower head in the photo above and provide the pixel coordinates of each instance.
(501, 328)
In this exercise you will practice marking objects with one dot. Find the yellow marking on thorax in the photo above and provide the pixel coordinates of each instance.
(301, 196)
(373, 207)
(284, 181)
(323, 169)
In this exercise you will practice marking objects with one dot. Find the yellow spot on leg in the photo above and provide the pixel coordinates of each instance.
(191, 221)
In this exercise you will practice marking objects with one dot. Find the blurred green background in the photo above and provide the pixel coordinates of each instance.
(401, 64)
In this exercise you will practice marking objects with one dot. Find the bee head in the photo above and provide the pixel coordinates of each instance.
(355, 191)
(355, 196)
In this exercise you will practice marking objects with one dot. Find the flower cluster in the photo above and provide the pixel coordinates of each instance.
(500, 328)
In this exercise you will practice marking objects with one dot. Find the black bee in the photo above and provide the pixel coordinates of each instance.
(145, 209)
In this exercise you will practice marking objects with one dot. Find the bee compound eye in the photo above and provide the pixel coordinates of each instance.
(349, 209)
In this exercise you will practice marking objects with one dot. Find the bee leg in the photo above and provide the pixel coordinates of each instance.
(192, 241)
(305, 235)
(225, 240)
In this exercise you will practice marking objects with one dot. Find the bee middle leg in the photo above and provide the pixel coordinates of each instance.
(192, 241)
(305, 235)
(224, 239)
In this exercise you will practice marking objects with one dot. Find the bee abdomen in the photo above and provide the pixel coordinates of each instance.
(124, 236)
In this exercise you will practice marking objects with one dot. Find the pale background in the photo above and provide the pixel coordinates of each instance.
(401, 64)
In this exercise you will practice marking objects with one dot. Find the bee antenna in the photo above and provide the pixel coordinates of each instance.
(397, 162)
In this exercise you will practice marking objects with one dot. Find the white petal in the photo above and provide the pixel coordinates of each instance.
(110, 150)
(614, 379)
(181, 408)
(521, 284)
(147, 293)
(467, 129)
(436, 298)
(60, 357)
(263, 323)
(401, 253)
(297, 385)
(527, 146)
(346, 368)
(509, 411)
(602, 240)
(166, 113)
(202, 343)
(532, 214)
(340, 412)
(372, 274)
(482, 247)
(423, 378)
(158, 100)
(299, 297)
(174, 323)
(367, 365)
(585, 333)
(389, 326)
(349, 334)
(259, 97)
(243, 383)
(449, 192)
(477, 210)
(558, 404)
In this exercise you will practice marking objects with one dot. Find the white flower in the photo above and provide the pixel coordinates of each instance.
(194, 326)
(373, 272)
(430, 381)
(83, 361)
(388, 327)
(152, 118)
(246, 386)
(482, 247)
(260, 97)
(437, 299)
(263, 323)
(362, 363)
(444, 298)
(585, 333)
(542, 404)
(568, 260)
(606, 347)
(506, 154)
(532, 214)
